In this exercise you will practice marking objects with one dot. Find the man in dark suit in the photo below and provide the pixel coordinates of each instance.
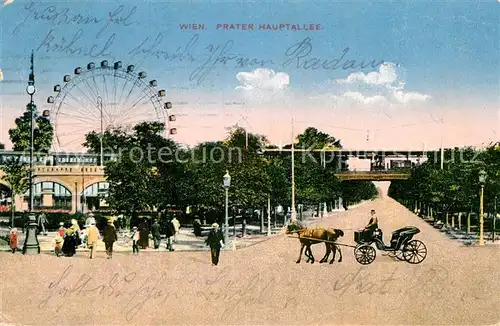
(155, 232)
(215, 240)
(169, 232)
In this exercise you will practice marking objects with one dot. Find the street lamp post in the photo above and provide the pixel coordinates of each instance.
(31, 244)
(482, 181)
(494, 218)
(227, 184)
(30, 89)
(99, 102)
(268, 215)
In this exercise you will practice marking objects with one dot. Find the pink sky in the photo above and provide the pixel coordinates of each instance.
(406, 130)
(376, 104)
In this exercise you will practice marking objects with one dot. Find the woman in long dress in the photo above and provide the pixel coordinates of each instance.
(144, 233)
(71, 237)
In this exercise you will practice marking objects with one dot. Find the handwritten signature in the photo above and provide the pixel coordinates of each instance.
(64, 16)
(259, 289)
(182, 53)
(299, 55)
(72, 46)
(220, 55)
(234, 294)
(116, 18)
(131, 292)
(119, 286)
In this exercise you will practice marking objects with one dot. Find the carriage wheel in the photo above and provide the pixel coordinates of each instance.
(415, 252)
(365, 254)
(399, 255)
(396, 254)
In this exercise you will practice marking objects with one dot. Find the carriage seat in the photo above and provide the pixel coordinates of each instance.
(363, 235)
(403, 234)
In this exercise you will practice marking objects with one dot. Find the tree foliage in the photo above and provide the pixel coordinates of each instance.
(171, 175)
(456, 187)
(16, 175)
(43, 133)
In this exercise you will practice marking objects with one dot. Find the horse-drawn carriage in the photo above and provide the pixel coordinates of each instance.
(402, 246)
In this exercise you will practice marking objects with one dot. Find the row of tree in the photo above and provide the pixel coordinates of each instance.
(456, 187)
(156, 173)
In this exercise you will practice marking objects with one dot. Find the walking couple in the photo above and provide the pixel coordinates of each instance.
(110, 236)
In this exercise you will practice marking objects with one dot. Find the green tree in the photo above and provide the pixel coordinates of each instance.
(43, 133)
(250, 184)
(455, 188)
(315, 179)
(113, 141)
(2, 146)
(237, 138)
(17, 176)
(356, 191)
(315, 139)
(146, 174)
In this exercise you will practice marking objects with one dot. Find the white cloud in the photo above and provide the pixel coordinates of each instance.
(263, 79)
(358, 97)
(387, 83)
(402, 97)
(1, 74)
(385, 76)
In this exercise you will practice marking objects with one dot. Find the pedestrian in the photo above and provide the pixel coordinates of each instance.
(13, 239)
(58, 246)
(42, 220)
(177, 226)
(61, 230)
(71, 239)
(155, 231)
(88, 221)
(92, 237)
(144, 233)
(169, 232)
(215, 240)
(135, 240)
(110, 236)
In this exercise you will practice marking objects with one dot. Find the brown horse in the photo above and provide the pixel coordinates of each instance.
(307, 235)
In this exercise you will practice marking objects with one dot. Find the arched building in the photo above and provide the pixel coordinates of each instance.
(75, 188)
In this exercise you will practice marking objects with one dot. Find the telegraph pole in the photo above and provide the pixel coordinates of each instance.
(294, 215)
(99, 102)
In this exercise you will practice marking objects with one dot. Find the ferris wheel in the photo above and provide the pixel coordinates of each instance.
(106, 97)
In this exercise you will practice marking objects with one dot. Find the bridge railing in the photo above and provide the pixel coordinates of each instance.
(394, 171)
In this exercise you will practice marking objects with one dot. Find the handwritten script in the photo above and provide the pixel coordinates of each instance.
(270, 292)
(210, 57)
(64, 16)
(126, 290)
(228, 294)
(204, 58)
(73, 45)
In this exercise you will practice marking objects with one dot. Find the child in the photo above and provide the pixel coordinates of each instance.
(135, 240)
(61, 229)
(13, 240)
(58, 247)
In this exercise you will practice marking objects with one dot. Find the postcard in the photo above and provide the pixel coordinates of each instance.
(249, 162)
